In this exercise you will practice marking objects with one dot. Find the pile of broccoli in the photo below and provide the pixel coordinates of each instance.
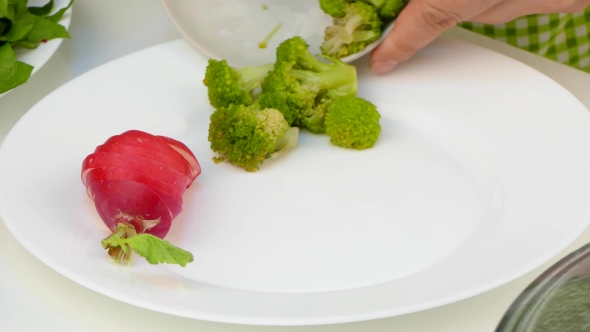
(259, 110)
(356, 23)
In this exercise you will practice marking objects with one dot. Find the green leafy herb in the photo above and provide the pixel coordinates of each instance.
(22, 24)
(42, 11)
(12, 72)
(3, 8)
(60, 13)
(25, 27)
(123, 242)
(5, 25)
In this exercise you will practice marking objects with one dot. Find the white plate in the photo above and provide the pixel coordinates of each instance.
(480, 175)
(39, 56)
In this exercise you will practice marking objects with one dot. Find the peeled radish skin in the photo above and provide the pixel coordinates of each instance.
(134, 203)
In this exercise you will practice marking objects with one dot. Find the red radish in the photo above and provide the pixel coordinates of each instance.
(180, 164)
(142, 139)
(165, 191)
(156, 144)
(138, 164)
(144, 208)
(136, 181)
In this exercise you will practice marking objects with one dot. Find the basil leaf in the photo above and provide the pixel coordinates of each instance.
(18, 5)
(5, 25)
(12, 72)
(26, 44)
(45, 29)
(3, 8)
(22, 24)
(41, 11)
(25, 27)
(60, 13)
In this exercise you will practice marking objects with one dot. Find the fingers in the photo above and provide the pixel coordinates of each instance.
(421, 22)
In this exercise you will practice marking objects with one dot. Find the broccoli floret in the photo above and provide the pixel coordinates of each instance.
(314, 119)
(352, 122)
(334, 8)
(298, 78)
(246, 135)
(352, 33)
(387, 9)
(391, 8)
(228, 85)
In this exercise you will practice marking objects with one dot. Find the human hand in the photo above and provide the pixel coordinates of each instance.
(422, 21)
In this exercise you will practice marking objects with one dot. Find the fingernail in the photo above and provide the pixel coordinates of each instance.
(383, 66)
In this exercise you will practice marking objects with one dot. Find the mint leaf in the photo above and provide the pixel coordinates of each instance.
(60, 13)
(26, 44)
(5, 25)
(22, 24)
(3, 8)
(12, 72)
(26, 27)
(153, 249)
(41, 11)
(46, 30)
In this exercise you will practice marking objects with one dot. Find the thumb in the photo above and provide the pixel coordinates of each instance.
(420, 23)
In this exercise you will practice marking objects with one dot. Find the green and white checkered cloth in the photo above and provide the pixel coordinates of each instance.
(561, 37)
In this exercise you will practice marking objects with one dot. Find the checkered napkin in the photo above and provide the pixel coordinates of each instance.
(561, 37)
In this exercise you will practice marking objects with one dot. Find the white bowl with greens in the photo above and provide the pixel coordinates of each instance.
(246, 33)
(30, 33)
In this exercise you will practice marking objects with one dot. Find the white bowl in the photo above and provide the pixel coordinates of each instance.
(233, 29)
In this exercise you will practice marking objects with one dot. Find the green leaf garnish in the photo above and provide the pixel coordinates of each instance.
(45, 29)
(123, 242)
(42, 11)
(3, 8)
(5, 25)
(60, 13)
(12, 72)
(22, 24)
(25, 27)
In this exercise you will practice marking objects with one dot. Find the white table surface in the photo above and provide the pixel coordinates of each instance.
(33, 297)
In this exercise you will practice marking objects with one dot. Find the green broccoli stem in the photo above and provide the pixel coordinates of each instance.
(251, 77)
(323, 76)
(342, 78)
(286, 143)
(308, 61)
(351, 26)
(359, 36)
